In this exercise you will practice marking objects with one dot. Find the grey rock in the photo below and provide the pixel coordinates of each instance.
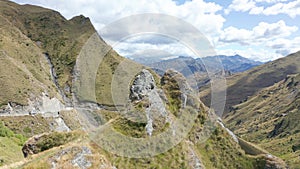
(194, 160)
(80, 160)
(143, 83)
(144, 87)
(30, 147)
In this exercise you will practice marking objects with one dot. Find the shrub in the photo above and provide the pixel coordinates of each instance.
(55, 139)
(5, 132)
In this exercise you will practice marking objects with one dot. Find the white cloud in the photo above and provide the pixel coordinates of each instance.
(205, 16)
(274, 30)
(261, 33)
(256, 10)
(270, 1)
(291, 9)
(285, 46)
(264, 42)
(258, 54)
(240, 5)
(232, 34)
(136, 50)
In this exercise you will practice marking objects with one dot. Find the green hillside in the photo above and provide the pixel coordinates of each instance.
(271, 119)
(243, 85)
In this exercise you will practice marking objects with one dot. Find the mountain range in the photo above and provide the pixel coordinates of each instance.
(189, 65)
(196, 68)
(234, 64)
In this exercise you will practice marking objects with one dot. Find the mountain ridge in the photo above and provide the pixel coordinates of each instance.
(195, 69)
(234, 63)
(242, 85)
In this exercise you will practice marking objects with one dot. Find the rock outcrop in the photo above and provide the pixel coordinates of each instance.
(142, 85)
(234, 137)
(144, 89)
(45, 105)
(273, 162)
(30, 147)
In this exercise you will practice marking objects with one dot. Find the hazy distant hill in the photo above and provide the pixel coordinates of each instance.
(196, 69)
(234, 63)
(188, 65)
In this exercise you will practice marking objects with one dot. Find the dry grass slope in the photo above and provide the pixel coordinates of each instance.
(48, 33)
(271, 119)
(243, 85)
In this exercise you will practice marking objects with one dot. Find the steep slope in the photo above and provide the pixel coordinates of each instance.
(243, 85)
(56, 43)
(220, 151)
(10, 145)
(59, 39)
(31, 95)
(271, 119)
(24, 69)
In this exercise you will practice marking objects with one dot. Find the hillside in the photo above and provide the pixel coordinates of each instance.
(66, 128)
(53, 42)
(220, 150)
(243, 85)
(271, 119)
(24, 69)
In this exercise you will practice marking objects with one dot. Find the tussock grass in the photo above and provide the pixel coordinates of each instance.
(270, 119)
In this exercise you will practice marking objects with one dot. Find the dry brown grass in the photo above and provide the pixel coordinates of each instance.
(246, 84)
(270, 119)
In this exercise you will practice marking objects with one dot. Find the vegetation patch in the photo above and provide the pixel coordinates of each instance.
(47, 141)
(27, 125)
(10, 145)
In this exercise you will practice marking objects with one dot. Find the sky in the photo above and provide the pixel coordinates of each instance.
(261, 30)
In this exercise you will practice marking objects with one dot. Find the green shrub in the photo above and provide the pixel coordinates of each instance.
(55, 139)
(27, 130)
(6, 132)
